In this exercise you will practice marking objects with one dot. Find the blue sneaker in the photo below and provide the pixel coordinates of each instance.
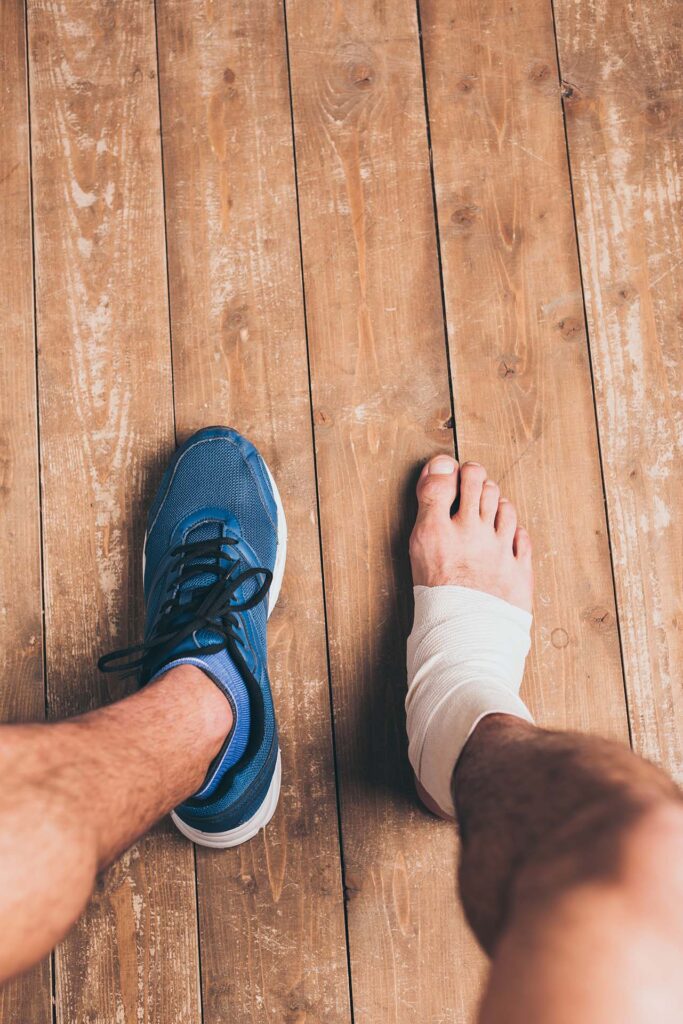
(213, 563)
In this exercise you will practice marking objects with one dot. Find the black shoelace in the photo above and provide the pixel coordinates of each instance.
(203, 607)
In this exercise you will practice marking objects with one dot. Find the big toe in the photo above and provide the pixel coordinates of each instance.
(437, 487)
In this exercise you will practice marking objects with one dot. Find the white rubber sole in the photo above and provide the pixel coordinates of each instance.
(246, 831)
(243, 833)
(281, 551)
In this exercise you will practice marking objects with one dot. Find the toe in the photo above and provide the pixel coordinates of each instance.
(521, 544)
(437, 487)
(472, 477)
(506, 519)
(488, 504)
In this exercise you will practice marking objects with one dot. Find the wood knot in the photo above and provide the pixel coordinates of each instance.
(512, 236)
(228, 75)
(559, 637)
(539, 73)
(464, 216)
(362, 75)
(507, 367)
(570, 327)
(466, 84)
(626, 293)
(321, 418)
(600, 618)
(570, 94)
(352, 886)
(235, 317)
(657, 113)
(297, 1007)
(353, 80)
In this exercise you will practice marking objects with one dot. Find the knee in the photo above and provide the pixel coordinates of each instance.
(651, 855)
(636, 840)
(633, 844)
(639, 893)
(48, 875)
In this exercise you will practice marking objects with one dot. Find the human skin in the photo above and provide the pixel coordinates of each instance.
(571, 871)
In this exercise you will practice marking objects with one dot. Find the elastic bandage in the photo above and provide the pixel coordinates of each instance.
(466, 655)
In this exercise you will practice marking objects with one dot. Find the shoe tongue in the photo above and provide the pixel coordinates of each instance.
(205, 531)
(211, 530)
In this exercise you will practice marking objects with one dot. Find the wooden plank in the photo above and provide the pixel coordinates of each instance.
(271, 913)
(22, 694)
(381, 405)
(622, 66)
(522, 383)
(106, 430)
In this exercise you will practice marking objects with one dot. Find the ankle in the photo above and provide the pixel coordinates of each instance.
(490, 735)
(190, 683)
(497, 728)
(466, 654)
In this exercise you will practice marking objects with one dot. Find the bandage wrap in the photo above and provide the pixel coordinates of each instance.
(466, 657)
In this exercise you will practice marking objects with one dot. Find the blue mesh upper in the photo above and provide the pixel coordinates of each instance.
(216, 468)
(215, 483)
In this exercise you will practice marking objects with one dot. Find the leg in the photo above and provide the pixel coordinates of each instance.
(572, 860)
(571, 876)
(75, 794)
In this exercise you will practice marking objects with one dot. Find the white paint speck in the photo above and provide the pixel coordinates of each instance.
(82, 199)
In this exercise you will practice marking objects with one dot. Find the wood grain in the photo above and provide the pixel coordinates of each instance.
(22, 693)
(622, 66)
(106, 429)
(271, 918)
(519, 357)
(271, 913)
(381, 405)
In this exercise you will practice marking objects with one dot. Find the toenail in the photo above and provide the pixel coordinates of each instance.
(474, 464)
(442, 464)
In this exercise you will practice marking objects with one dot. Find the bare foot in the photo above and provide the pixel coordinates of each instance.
(481, 546)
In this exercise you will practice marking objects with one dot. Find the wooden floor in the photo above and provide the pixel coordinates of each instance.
(357, 232)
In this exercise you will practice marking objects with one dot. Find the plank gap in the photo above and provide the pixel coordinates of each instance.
(598, 439)
(320, 539)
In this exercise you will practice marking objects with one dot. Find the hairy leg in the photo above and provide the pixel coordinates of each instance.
(571, 876)
(572, 864)
(75, 794)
